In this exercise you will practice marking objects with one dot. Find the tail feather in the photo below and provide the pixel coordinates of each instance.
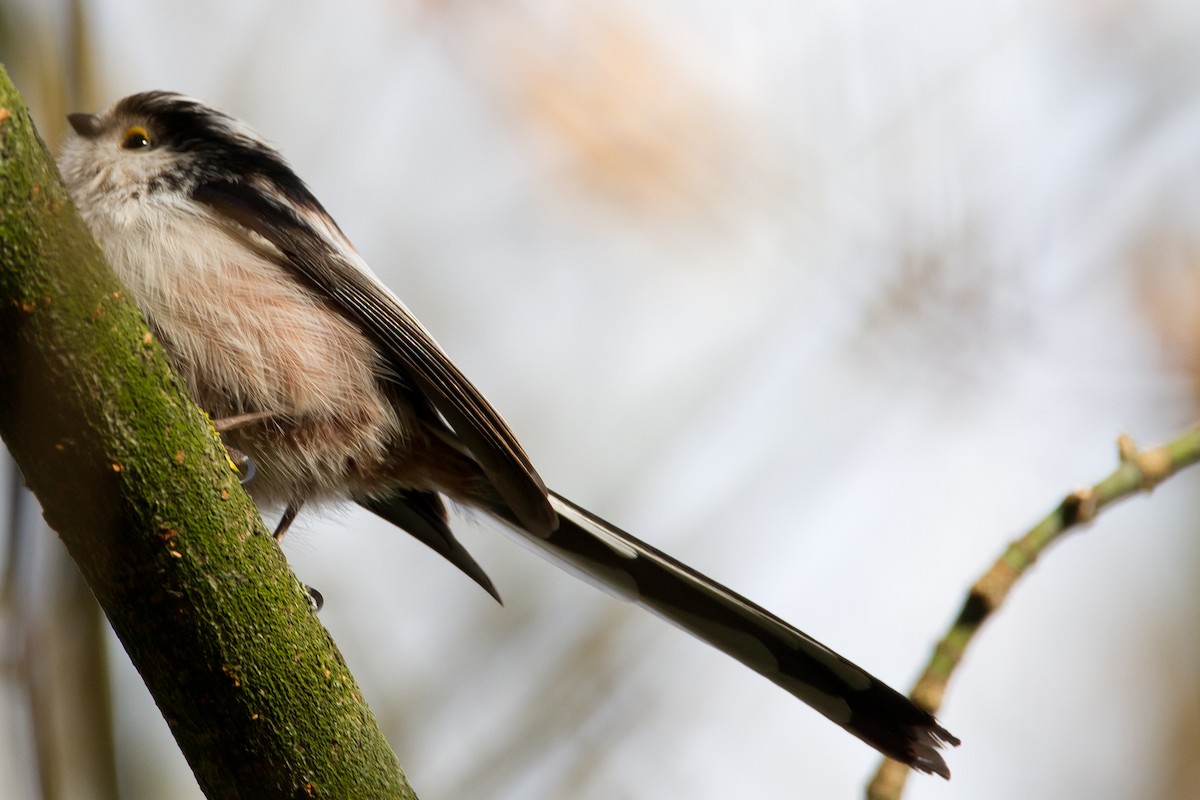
(423, 515)
(843, 692)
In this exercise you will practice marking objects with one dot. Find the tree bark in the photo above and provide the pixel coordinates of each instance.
(134, 479)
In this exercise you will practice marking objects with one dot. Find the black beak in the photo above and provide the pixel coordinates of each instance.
(86, 125)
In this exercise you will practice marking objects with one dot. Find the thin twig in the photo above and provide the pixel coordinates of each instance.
(1138, 471)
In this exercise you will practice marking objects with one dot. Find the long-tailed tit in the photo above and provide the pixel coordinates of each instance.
(335, 391)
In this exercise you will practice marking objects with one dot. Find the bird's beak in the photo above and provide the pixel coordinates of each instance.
(86, 125)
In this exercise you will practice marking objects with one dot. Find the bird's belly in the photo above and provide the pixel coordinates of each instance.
(247, 337)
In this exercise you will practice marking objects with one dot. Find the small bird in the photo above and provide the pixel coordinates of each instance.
(334, 391)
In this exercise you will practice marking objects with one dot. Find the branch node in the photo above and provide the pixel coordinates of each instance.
(1154, 466)
(1127, 449)
(990, 589)
(1080, 506)
(929, 693)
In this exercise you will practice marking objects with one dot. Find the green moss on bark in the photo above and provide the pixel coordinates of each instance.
(129, 473)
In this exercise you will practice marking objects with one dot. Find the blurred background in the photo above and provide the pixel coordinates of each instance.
(830, 300)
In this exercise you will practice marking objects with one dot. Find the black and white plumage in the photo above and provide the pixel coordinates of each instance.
(265, 308)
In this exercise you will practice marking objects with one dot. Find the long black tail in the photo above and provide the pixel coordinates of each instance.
(843, 692)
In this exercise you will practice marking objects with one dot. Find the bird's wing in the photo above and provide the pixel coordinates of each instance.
(304, 245)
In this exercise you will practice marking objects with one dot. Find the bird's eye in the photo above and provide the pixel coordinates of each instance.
(136, 138)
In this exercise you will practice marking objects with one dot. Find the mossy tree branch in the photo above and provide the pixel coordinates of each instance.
(1138, 471)
(129, 473)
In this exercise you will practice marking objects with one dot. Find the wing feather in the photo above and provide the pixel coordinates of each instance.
(299, 247)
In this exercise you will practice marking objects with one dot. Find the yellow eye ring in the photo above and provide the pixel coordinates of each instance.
(136, 138)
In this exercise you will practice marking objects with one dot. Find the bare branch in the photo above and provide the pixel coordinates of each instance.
(1138, 471)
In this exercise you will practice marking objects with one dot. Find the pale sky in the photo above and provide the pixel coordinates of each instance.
(830, 301)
